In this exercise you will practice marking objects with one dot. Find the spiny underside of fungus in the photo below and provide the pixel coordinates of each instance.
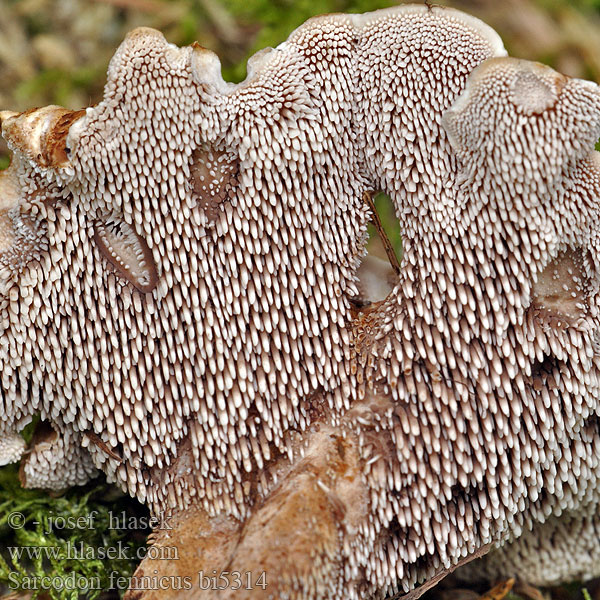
(178, 297)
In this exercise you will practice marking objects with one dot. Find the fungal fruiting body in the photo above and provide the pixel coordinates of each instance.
(55, 461)
(12, 447)
(185, 309)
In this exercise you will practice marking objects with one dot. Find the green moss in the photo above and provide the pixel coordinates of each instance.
(62, 83)
(71, 546)
(387, 214)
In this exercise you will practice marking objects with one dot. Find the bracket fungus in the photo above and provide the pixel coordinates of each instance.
(177, 286)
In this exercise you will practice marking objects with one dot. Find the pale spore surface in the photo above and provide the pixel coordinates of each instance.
(177, 274)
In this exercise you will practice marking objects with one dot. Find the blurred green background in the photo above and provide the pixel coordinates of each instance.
(57, 52)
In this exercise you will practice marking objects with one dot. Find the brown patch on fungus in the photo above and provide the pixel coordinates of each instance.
(214, 179)
(127, 252)
(562, 288)
(40, 133)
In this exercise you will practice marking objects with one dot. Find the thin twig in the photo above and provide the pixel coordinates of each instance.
(95, 439)
(387, 245)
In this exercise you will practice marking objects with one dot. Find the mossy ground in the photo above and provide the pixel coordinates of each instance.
(67, 547)
(56, 52)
